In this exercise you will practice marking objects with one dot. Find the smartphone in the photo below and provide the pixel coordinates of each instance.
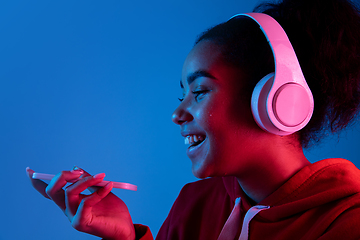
(127, 186)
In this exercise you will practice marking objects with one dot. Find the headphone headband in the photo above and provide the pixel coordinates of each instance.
(285, 58)
(287, 80)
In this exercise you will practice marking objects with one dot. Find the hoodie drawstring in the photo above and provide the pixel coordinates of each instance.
(230, 228)
(248, 216)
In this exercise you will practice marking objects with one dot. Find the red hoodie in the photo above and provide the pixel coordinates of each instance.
(321, 201)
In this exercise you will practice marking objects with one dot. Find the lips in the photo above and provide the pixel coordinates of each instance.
(194, 140)
(198, 150)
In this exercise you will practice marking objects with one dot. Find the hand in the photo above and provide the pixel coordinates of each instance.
(101, 213)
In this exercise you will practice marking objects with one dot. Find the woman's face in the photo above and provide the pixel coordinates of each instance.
(214, 115)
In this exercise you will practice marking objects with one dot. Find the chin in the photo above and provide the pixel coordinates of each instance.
(198, 174)
(202, 172)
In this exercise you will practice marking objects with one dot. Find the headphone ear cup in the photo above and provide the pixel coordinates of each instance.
(288, 110)
(259, 105)
(292, 107)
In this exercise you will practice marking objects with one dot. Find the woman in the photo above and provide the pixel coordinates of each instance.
(263, 174)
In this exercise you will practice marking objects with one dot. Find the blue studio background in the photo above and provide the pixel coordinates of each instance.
(94, 84)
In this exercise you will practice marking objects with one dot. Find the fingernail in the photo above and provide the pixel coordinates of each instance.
(77, 171)
(99, 175)
(28, 171)
(76, 168)
(108, 185)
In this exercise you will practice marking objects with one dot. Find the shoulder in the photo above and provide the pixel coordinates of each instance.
(199, 211)
(205, 190)
(200, 196)
(341, 180)
(346, 225)
(204, 185)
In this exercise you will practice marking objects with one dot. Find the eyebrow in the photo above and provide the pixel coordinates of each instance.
(192, 77)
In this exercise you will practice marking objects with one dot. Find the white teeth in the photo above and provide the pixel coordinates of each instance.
(191, 139)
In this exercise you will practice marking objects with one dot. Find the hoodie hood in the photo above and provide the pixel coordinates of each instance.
(318, 193)
(321, 201)
(321, 184)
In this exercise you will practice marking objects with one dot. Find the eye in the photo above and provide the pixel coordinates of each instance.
(181, 99)
(199, 94)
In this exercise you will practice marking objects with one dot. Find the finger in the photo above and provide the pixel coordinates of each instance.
(84, 211)
(86, 174)
(54, 189)
(39, 185)
(84, 183)
(97, 196)
(72, 193)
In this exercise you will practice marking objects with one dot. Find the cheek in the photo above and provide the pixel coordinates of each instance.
(238, 111)
(228, 118)
(209, 115)
(214, 119)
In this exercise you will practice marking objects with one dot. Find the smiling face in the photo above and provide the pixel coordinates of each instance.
(214, 115)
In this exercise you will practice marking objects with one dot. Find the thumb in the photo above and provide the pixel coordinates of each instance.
(84, 216)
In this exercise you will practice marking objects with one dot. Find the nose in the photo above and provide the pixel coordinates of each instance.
(181, 115)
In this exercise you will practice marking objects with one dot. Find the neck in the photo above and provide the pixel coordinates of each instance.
(272, 168)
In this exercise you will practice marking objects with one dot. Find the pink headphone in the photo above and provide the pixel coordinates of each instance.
(282, 102)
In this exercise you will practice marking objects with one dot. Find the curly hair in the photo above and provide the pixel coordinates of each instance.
(326, 39)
